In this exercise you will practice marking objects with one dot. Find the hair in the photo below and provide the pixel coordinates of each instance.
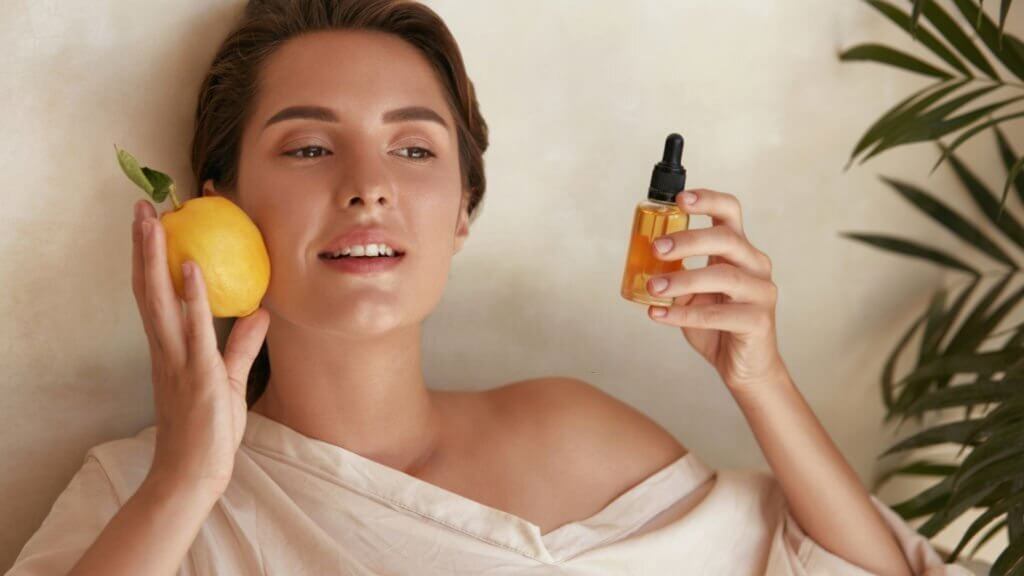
(230, 87)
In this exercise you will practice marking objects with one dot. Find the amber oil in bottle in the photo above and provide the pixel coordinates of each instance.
(655, 216)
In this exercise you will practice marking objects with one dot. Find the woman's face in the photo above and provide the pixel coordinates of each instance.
(304, 181)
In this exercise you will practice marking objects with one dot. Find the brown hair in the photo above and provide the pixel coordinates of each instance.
(228, 91)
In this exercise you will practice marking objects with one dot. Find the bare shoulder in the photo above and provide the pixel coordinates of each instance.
(584, 434)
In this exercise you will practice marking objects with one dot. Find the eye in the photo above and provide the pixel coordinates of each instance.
(303, 156)
(418, 153)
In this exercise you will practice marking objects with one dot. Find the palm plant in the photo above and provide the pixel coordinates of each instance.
(966, 358)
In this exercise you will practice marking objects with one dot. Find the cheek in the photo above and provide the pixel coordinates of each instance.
(288, 229)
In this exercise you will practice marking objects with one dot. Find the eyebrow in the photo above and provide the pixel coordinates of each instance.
(322, 114)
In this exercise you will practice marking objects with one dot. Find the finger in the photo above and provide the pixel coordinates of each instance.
(200, 338)
(243, 345)
(139, 282)
(721, 207)
(726, 279)
(735, 318)
(714, 241)
(161, 301)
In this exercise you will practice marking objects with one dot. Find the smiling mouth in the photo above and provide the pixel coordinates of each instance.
(328, 256)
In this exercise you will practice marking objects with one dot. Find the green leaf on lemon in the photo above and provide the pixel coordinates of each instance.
(153, 182)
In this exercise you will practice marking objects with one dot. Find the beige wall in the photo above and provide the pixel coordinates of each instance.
(579, 96)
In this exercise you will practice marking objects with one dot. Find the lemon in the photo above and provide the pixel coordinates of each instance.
(217, 235)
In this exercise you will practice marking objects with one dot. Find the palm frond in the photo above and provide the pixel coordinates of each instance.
(923, 35)
(913, 249)
(956, 37)
(959, 363)
(1009, 157)
(986, 201)
(1009, 53)
(950, 219)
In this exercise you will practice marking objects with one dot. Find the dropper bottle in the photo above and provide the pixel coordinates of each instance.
(656, 216)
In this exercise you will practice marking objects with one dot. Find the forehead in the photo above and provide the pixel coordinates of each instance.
(352, 71)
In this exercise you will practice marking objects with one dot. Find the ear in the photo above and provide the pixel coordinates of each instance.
(462, 229)
(209, 189)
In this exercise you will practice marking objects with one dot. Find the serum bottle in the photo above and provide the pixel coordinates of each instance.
(655, 216)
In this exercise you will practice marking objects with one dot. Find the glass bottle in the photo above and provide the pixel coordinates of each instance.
(656, 216)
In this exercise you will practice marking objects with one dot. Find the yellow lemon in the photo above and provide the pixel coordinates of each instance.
(216, 234)
(213, 232)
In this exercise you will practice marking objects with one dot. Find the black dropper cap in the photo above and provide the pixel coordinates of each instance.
(669, 176)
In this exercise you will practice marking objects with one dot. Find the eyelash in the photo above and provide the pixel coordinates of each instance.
(291, 153)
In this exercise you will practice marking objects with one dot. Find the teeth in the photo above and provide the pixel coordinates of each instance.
(365, 251)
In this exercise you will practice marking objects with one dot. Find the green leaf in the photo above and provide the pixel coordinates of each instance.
(986, 201)
(934, 339)
(979, 392)
(915, 468)
(915, 16)
(1007, 414)
(988, 536)
(903, 20)
(1010, 561)
(968, 134)
(154, 183)
(939, 321)
(986, 480)
(997, 448)
(131, 168)
(950, 219)
(932, 124)
(890, 364)
(892, 57)
(989, 34)
(971, 333)
(928, 501)
(955, 507)
(953, 34)
(904, 112)
(935, 315)
(950, 125)
(1014, 173)
(162, 184)
(951, 432)
(1009, 159)
(972, 330)
(1004, 9)
(912, 249)
(974, 363)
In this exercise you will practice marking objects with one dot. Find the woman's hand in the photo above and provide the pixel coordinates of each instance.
(199, 396)
(727, 309)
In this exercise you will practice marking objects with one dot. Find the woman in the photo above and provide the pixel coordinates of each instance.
(342, 123)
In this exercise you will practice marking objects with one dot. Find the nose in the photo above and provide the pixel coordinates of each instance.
(366, 181)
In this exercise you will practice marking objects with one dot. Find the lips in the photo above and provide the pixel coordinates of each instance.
(372, 235)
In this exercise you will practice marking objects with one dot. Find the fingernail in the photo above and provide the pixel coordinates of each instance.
(146, 227)
(663, 244)
(659, 284)
(186, 269)
(689, 197)
(658, 311)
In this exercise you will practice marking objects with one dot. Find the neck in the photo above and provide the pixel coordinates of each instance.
(366, 395)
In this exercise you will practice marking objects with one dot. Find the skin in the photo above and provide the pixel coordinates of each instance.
(346, 353)
(726, 311)
(345, 349)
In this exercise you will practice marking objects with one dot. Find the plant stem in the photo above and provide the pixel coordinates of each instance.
(174, 198)
(998, 83)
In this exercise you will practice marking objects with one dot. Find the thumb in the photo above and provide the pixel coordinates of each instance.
(243, 346)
